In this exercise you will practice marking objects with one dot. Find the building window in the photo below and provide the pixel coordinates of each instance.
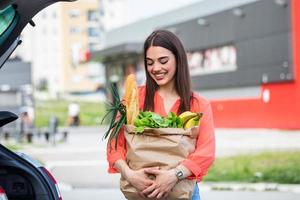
(212, 60)
(93, 32)
(75, 30)
(92, 16)
(73, 13)
(94, 46)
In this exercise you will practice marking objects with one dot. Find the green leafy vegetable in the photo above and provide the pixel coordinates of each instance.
(116, 113)
(153, 120)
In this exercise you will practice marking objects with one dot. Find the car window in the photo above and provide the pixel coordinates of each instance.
(8, 21)
(7, 16)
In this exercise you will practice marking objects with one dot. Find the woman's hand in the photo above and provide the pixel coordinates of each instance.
(162, 185)
(138, 179)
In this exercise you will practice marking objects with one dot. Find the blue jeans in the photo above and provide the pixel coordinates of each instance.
(196, 193)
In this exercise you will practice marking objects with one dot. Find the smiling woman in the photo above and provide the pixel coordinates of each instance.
(167, 89)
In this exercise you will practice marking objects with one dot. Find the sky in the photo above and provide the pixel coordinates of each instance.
(148, 8)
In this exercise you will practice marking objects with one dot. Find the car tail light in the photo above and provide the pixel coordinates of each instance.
(53, 180)
(2, 194)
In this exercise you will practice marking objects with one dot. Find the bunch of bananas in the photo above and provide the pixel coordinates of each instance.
(190, 119)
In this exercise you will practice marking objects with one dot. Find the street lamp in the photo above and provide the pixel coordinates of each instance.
(239, 12)
(202, 22)
(282, 3)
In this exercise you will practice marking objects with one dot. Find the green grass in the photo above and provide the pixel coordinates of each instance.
(90, 113)
(278, 167)
(13, 147)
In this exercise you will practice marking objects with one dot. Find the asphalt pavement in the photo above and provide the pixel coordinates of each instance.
(79, 164)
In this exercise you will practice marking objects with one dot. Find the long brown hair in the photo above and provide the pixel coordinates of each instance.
(170, 41)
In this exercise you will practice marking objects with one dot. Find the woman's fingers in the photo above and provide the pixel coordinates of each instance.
(149, 189)
(157, 168)
(154, 193)
(160, 195)
(151, 168)
(154, 171)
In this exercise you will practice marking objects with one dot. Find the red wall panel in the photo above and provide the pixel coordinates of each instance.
(281, 111)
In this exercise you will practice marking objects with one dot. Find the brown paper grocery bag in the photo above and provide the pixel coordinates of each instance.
(163, 147)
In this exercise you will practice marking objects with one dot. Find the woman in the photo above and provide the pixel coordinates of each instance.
(168, 89)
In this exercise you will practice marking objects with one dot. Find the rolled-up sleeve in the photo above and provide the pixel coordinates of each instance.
(115, 153)
(202, 158)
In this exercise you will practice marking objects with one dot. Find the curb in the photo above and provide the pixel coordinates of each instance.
(255, 187)
(209, 186)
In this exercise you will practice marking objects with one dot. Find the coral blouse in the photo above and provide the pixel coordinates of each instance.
(197, 162)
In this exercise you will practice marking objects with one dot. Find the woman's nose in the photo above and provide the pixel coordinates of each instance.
(156, 67)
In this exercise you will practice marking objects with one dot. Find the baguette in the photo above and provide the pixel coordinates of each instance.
(131, 99)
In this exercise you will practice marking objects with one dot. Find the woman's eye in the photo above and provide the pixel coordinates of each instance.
(163, 61)
(149, 62)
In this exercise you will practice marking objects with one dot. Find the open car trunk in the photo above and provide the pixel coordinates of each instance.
(23, 180)
(21, 177)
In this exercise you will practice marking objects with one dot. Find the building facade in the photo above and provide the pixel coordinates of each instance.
(16, 92)
(58, 47)
(113, 14)
(243, 56)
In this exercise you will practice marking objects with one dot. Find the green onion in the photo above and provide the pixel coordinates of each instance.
(116, 114)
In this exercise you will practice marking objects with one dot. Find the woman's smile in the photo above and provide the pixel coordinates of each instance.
(160, 76)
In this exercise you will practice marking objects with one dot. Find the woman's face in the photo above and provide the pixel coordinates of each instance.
(161, 65)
